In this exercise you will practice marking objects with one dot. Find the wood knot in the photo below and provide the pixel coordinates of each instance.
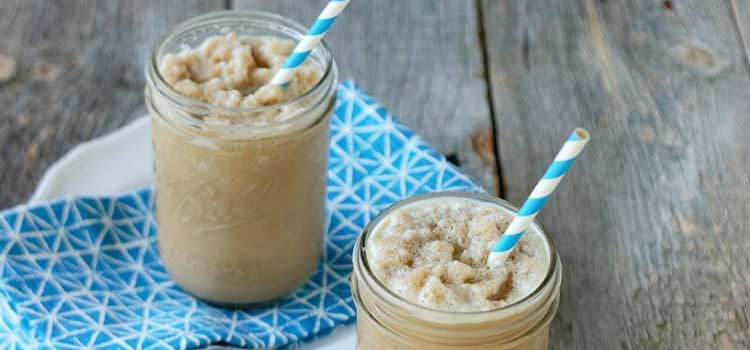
(699, 57)
(46, 72)
(483, 144)
(7, 68)
(23, 120)
(686, 224)
(30, 157)
(667, 5)
(647, 134)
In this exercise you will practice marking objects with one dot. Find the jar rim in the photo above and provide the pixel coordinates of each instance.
(362, 256)
(155, 78)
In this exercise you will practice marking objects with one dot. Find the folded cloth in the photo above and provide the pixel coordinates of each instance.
(85, 272)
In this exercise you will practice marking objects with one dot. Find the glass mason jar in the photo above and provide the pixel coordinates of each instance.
(240, 205)
(387, 321)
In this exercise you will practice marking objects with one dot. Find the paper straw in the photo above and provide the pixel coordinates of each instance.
(568, 153)
(309, 41)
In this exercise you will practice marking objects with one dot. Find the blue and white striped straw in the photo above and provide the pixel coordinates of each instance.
(568, 153)
(308, 42)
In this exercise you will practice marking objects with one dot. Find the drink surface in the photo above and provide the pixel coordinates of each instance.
(229, 71)
(434, 253)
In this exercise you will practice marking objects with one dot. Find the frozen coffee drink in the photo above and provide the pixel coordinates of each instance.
(421, 279)
(240, 164)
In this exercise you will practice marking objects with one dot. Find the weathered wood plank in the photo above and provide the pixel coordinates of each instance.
(741, 16)
(79, 75)
(651, 221)
(423, 61)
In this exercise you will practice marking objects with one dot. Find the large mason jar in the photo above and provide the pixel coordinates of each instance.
(240, 205)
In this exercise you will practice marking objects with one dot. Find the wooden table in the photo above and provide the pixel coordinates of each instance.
(649, 224)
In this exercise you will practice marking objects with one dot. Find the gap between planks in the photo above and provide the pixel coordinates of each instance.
(734, 12)
(488, 96)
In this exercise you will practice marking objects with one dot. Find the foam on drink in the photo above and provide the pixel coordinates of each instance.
(434, 252)
(234, 72)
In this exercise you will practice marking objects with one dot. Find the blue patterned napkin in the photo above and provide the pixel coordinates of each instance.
(85, 272)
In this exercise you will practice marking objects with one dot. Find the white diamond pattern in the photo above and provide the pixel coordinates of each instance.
(84, 273)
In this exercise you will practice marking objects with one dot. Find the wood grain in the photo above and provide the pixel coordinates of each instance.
(423, 61)
(651, 221)
(79, 75)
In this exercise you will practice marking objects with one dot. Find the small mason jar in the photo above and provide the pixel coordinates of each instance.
(387, 321)
(240, 205)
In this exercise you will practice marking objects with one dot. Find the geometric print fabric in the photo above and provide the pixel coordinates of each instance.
(85, 273)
